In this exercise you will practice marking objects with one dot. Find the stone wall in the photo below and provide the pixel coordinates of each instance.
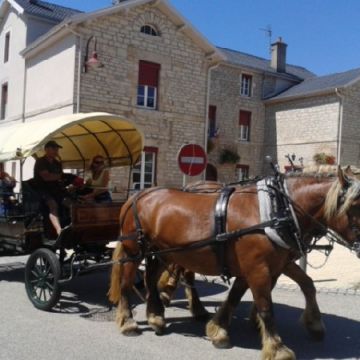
(350, 140)
(180, 117)
(302, 127)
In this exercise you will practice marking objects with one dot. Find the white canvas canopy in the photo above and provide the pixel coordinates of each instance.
(82, 136)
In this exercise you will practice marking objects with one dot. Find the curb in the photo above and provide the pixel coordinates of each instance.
(323, 290)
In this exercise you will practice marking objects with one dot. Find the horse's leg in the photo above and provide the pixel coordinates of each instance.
(311, 317)
(195, 305)
(168, 283)
(253, 311)
(122, 282)
(155, 308)
(273, 347)
(217, 327)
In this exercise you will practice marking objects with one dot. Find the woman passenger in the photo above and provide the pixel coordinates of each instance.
(98, 181)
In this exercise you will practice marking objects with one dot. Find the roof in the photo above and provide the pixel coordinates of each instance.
(239, 58)
(182, 24)
(320, 85)
(46, 10)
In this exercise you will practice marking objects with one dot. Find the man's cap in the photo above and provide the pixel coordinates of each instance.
(52, 144)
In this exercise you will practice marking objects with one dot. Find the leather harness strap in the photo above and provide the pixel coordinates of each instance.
(220, 228)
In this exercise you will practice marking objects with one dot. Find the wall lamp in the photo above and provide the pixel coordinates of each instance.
(92, 62)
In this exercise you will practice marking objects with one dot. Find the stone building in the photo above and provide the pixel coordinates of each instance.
(154, 68)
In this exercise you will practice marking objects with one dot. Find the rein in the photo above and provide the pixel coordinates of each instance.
(330, 235)
(209, 241)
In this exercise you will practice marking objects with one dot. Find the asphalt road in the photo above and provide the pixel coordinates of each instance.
(83, 326)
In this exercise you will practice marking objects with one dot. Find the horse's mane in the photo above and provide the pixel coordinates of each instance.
(336, 190)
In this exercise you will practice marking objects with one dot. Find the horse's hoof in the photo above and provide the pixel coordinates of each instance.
(218, 336)
(130, 328)
(222, 344)
(284, 353)
(316, 334)
(157, 323)
(316, 329)
(132, 333)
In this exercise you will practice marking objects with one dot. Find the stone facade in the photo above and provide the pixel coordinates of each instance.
(302, 127)
(350, 132)
(180, 116)
(225, 95)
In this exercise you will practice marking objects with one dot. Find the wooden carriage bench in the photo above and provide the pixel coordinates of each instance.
(94, 223)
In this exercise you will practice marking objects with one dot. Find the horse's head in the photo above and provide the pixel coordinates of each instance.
(342, 208)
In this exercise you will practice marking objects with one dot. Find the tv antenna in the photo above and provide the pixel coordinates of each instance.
(268, 32)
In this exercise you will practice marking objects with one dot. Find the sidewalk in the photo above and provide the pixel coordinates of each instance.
(341, 271)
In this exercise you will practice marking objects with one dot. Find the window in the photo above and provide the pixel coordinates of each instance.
(4, 100)
(149, 30)
(6, 47)
(246, 83)
(242, 172)
(212, 121)
(144, 173)
(244, 125)
(148, 84)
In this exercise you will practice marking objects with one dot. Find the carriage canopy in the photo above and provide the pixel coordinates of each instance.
(81, 135)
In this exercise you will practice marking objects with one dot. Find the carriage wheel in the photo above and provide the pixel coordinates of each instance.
(42, 274)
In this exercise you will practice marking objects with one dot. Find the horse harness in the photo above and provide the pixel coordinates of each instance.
(280, 220)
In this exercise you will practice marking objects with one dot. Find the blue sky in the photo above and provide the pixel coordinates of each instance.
(322, 35)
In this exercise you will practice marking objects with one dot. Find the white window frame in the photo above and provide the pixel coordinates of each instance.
(149, 30)
(244, 132)
(141, 169)
(242, 173)
(246, 85)
(146, 97)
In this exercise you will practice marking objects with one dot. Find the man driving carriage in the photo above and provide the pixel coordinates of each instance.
(48, 174)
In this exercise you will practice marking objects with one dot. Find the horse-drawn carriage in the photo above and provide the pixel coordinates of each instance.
(87, 227)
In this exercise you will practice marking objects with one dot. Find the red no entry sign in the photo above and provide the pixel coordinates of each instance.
(192, 159)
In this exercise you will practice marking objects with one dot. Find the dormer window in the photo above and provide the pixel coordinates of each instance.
(149, 30)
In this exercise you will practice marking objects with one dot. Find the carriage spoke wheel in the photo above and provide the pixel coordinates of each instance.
(42, 274)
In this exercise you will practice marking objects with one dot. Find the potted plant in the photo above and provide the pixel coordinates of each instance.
(323, 159)
(228, 156)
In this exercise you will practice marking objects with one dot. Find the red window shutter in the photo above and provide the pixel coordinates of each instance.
(151, 149)
(244, 118)
(149, 73)
(212, 112)
(241, 166)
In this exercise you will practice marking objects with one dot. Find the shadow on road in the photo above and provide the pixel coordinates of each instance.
(85, 296)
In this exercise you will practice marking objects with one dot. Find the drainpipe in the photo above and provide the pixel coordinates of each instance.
(24, 93)
(340, 124)
(78, 66)
(207, 108)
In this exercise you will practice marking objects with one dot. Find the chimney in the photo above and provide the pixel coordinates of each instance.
(278, 55)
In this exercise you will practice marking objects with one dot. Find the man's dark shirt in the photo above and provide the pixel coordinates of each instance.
(54, 167)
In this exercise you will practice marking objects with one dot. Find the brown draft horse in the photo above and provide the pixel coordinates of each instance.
(167, 219)
(311, 317)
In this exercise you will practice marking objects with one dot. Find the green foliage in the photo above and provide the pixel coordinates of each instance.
(228, 156)
(322, 159)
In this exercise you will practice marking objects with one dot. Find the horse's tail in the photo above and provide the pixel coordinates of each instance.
(116, 274)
